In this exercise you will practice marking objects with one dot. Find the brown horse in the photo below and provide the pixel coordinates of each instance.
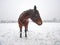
(33, 14)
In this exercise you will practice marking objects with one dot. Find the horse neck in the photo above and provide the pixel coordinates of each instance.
(24, 17)
(27, 14)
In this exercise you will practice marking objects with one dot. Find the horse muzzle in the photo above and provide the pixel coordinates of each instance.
(39, 23)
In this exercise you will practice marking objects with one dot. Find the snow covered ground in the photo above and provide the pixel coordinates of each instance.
(46, 34)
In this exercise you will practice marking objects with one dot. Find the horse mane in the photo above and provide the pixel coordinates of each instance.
(26, 12)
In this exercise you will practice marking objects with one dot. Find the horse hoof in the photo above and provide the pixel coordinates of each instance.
(20, 37)
(26, 36)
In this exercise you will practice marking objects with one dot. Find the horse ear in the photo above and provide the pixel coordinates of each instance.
(35, 7)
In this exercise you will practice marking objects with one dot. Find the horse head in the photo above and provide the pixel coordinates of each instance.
(36, 16)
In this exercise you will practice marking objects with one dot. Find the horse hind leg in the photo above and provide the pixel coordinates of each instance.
(20, 32)
(20, 26)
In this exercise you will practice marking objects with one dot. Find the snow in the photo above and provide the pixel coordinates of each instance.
(46, 34)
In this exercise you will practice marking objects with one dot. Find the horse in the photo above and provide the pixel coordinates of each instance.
(33, 14)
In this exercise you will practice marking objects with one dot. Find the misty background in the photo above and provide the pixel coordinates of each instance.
(11, 9)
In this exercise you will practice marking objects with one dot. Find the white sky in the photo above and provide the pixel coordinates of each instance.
(11, 9)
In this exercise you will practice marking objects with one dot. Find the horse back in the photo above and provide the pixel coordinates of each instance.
(23, 18)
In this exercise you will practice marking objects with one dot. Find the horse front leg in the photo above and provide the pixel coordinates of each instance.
(26, 29)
